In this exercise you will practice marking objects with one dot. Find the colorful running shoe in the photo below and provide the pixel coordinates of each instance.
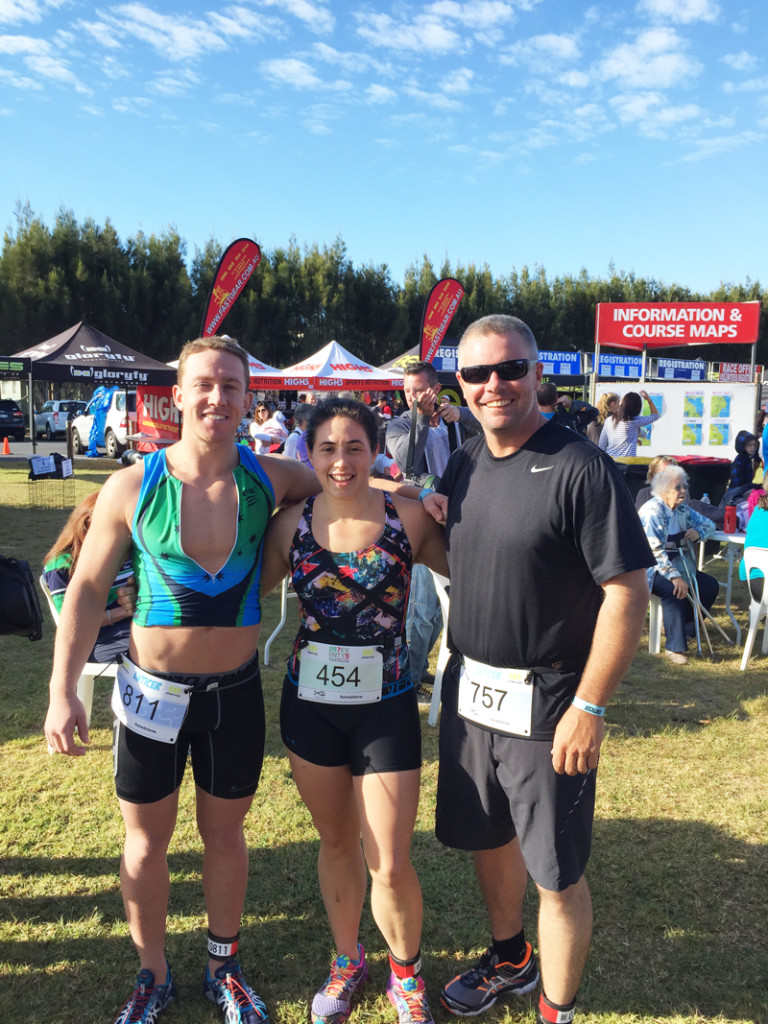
(234, 996)
(477, 989)
(148, 1000)
(333, 1002)
(409, 998)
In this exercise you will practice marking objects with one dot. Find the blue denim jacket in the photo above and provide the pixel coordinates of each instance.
(655, 516)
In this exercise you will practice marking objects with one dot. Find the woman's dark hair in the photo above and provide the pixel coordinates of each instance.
(630, 406)
(349, 407)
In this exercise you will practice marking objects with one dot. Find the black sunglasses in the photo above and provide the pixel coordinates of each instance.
(510, 369)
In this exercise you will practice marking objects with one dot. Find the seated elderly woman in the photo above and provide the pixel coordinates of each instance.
(668, 522)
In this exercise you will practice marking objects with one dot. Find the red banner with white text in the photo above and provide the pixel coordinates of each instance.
(239, 261)
(441, 304)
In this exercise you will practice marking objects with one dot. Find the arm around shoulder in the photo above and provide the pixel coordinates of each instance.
(426, 538)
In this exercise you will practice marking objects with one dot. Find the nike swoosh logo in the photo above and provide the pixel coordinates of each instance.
(540, 469)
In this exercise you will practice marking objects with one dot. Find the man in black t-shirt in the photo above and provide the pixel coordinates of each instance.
(548, 595)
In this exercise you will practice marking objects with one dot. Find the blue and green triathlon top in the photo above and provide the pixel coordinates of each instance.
(174, 590)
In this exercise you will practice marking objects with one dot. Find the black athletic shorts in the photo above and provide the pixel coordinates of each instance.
(223, 732)
(370, 738)
(492, 787)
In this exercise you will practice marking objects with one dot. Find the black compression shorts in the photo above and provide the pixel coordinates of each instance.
(223, 731)
(370, 738)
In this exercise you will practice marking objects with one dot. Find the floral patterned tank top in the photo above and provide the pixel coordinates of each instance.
(355, 597)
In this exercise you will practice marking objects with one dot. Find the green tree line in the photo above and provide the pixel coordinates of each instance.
(146, 293)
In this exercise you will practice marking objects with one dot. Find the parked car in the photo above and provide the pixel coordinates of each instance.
(122, 406)
(52, 418)
(11, 420)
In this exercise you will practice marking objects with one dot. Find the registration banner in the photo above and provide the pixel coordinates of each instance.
(239, 261)
(442, 302)
(666, 324)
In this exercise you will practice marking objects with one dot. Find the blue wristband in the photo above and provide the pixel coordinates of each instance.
(425, 492)
(591, 709)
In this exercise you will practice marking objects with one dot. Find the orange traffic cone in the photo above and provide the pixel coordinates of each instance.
(6, 447)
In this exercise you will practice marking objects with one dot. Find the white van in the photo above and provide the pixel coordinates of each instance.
(121, 409)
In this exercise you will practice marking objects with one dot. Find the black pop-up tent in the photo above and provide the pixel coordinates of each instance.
(84, 355)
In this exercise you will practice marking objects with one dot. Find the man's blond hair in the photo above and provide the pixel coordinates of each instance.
(216, 343)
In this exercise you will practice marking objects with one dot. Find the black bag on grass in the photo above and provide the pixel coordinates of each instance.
(19, 605)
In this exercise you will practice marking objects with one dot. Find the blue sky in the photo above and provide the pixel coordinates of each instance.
(512, 132)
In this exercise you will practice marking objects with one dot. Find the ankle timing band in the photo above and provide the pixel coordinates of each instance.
(551, 1013)
(405, 968)
(222, 949)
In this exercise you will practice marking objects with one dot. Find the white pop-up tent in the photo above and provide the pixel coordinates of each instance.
(333, 368)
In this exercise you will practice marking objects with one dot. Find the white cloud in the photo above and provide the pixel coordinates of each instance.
(290, 71)
(380, 94)
(107, 36)
(113, 69)
(17, 81)
(574, 79)
(56, 70)
(173, 36)
(14, 11)
(137, 105)
(423, 34)
(751, 85)
(438, 100)
(240, 23)
(316, 17)
(351, 63)
(741, 61)
(684, 12)
(723, 144)
(651, 113)
(23, 44)
(458, 81)
(545, 48)
(174, 83)
(655, 60)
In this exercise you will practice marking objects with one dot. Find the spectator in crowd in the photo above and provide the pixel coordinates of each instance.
(301, 416)
(440, 429)
(621, 429)
(669, 522)
(657, 462)
(744, 466)
(59, 568)
(570, 412)
(606, 406)
(757, 534)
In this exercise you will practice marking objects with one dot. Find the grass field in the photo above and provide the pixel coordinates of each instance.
(679, 871)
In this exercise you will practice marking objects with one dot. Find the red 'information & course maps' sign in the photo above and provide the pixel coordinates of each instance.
(666, 324)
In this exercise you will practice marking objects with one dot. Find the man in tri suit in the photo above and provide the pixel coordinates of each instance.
(192, 519)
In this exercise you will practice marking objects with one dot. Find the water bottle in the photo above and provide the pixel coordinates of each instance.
(729, 526)
(705, 497)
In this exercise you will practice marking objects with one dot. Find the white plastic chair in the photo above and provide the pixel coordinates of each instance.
(654, 625)
(756, 558)
(443, 654)
(92, 669)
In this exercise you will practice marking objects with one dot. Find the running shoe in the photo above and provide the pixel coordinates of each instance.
(333, 1002)
(477, 989)
(234, 996)
(409, 998)
(148, 1000)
